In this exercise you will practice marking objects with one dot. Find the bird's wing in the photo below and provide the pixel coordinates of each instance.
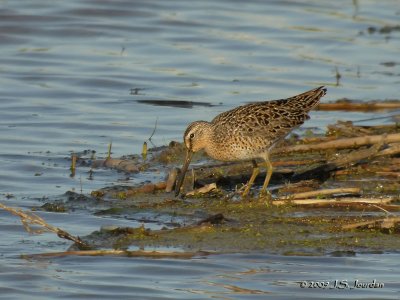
(271, 120)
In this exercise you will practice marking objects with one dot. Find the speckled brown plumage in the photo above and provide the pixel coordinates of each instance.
(250, 131)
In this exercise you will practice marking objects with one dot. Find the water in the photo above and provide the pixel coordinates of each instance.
(67, 70)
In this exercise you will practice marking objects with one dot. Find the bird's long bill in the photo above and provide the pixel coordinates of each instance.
(185, 166)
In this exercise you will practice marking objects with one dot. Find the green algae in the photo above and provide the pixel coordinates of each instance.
(249, 226)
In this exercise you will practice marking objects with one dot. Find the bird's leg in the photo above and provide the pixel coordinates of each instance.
(256, 170)
(268, 176)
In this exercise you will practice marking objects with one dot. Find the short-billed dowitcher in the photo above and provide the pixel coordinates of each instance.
(248, 132)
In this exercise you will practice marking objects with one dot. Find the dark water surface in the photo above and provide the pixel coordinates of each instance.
(77, 74)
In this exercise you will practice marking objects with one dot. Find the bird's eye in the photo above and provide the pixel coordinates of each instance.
(191, 135)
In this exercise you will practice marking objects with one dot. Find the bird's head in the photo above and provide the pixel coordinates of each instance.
(195, 139)
(195, 136)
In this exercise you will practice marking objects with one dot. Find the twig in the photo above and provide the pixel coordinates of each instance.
(391, 116)
(109, 150)
(384, 210)
(154, 130)
(28, 219)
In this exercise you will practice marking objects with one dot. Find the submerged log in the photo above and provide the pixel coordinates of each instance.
(126, 253)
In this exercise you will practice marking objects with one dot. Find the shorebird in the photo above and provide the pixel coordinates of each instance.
(248, 132)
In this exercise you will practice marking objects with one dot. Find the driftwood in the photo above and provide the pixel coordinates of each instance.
(203, 190)
(342, 143)
(323, 168)
(334, 201)
(391, 141)
(323, 171)
(320, 167)
(171, 179)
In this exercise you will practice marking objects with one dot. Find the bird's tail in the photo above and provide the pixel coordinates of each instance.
(310, 99)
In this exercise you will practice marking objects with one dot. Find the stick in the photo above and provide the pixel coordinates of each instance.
(333, 201)
(324, 192)
(171, 179)
(356, 156)
(28, 219)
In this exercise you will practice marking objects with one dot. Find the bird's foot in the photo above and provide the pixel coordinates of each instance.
(266, 196)
(245, 192)
(234, 194)
(241, 192)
